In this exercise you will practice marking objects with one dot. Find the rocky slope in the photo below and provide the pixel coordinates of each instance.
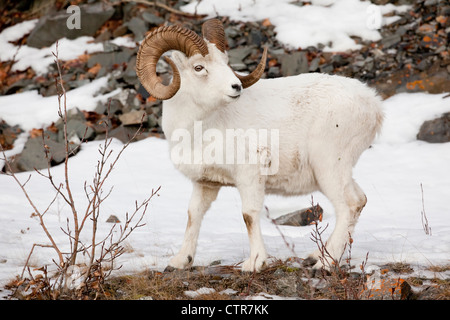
(412, 56)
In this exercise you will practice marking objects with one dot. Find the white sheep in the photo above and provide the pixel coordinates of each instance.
(323, 124)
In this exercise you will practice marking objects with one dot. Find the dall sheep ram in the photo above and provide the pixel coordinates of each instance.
(322, 123)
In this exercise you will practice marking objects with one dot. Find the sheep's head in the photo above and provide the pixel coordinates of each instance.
(203, 63)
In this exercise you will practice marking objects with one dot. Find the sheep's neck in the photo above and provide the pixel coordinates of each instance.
(178, 114)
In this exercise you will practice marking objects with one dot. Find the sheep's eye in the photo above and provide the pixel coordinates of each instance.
(198, 68)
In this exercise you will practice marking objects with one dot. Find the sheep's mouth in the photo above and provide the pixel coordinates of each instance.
(235, 97)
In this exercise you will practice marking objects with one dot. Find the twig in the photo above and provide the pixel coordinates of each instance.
(166, 7)
(36, 210)
(110, 247)
(70, 201)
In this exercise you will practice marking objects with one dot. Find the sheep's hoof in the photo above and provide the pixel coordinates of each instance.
(169, 269)
(309, 262)
(254, 265)
(179, 262)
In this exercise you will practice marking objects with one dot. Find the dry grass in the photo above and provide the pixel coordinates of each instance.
(173, 285)
(280, 278)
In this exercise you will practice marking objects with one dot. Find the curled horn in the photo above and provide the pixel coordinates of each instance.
(152, 48)
(213, 31)
(256, 74)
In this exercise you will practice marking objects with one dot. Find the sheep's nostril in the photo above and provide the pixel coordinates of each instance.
(237, 87)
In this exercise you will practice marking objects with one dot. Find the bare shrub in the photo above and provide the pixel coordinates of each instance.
(341, 283)
(74, 279)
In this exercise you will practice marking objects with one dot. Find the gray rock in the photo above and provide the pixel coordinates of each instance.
(390, 41)
(152, 121)
(232, 32)
(80, 129)
(138, 27)
(287, 285)
(294, 63)
(33, 155)
(436, 131)
(128, 99)
(302, 217)
(115, 107)
(120, 31)
(122, 133)
(273, 72)
(109, 59)
(255, 37)
(19, 86)
(113, 219)
(130, 75)
(430, 2)
(314, 65)
(53, 27)
(237, 56)
(326, 68)
(152, 19)
(339, 60)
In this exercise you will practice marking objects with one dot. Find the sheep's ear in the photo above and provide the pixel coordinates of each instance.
(179, 58)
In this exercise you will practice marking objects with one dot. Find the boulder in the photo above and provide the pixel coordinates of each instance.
(122, 133)
(34, 155)
(52, 27)
(113, 219)
(287, 286)
(294, 63)
(139, 27)
(387, 289)
(437, 130)
(237, 56)
(152, 19)
(302, 217)
(80, 129)
(110, 59)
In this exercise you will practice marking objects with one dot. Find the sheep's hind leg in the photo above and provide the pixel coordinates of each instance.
(201, 199)
(348, 204)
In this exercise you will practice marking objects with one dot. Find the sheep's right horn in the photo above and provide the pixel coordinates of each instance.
(154, 45)
(214, 32)
(256, 74)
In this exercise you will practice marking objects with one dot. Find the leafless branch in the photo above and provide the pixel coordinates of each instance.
(167, 8)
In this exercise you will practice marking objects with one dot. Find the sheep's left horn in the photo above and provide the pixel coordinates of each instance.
(212, 30)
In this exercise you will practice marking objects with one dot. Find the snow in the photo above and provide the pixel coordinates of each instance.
(391, 172)
(37, 111)
(40, 59)
(124, 42)
(328, 22)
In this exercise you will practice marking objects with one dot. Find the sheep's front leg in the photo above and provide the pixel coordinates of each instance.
(252, 202)
(201, 199)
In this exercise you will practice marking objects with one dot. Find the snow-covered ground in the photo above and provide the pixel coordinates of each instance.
(391, 174)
